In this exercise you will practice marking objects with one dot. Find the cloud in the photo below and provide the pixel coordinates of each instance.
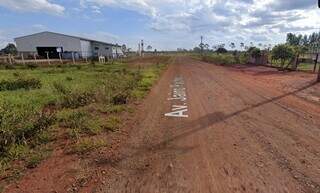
(33, 6)
(281, 5)
(222, 20)
(187, 20)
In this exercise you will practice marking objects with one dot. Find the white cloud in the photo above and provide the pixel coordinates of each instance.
(33, 6)
(249, 20)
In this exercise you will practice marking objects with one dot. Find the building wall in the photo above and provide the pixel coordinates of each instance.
(100, 49)
(86, 49)
(117, 52)
(47, 39)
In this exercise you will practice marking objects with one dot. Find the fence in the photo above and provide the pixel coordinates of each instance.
(53, 59)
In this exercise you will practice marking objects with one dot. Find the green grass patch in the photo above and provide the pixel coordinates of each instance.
(86, 145)
(39, 103)
(112, 123)
(20, 83)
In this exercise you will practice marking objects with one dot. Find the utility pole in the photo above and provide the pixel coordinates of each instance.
(142, 49)
(201, 45)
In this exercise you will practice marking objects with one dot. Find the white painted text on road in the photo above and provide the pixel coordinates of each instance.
(178, 97)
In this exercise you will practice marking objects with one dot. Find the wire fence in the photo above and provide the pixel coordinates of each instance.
(57, 58)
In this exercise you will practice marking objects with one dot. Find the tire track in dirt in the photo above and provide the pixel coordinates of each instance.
(233, 141)
(304, 180)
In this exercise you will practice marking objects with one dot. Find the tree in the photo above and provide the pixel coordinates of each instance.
(255, 52)
(221, 50)
(124, 48)
(201, 46)
(242, 45)
(294, 40)
(149, 48)
(10, 49)
(283, 52)
(197, 49)
(207, 46)
(232, 45)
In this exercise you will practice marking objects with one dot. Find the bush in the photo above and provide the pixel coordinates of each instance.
(77, 99)
(113, 123)
(19, 124)
(282, 52)
(221, 59)
(73, 99)
(243, 58)
(87, 145)
(118, 90)
(20, 83)
(221, 51)
(79, 122)
(32, 66)
(255, 52)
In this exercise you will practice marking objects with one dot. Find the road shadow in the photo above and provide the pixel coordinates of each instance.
(189, 128)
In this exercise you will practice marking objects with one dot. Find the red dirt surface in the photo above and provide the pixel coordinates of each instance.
(250, 129)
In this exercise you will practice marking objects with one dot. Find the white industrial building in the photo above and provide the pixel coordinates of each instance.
(55, 44)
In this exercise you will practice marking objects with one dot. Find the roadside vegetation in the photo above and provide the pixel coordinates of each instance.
(298, 53)
(38, 105)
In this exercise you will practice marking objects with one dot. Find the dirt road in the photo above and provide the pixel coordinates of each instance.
(204, 129)
(239, 136)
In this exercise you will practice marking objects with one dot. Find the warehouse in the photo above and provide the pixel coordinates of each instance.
(54, 45)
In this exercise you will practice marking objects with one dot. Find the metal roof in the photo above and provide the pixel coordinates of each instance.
(81, 38)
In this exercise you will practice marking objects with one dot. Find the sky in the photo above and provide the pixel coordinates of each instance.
(163, 24)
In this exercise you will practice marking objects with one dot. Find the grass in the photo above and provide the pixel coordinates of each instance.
(86, 145)
(223, 59)
(112, 123)
(60, 98)
(306, 66)
(302, 66)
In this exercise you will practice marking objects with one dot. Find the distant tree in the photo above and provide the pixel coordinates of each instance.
(232, 45)
(283, 52)
(255, 52)
(201, 46)
(294, 40)
(305, 40)
(221, 50)
(242, 45)
(197, 49)
(124, 48)
(149, 48)
(215, 47)
(207, 46)
(10, 49)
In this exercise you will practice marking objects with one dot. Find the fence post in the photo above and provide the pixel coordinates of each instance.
(22, 57)
(73, 60)
(315, 63)
(60, 58)
(48, 58)
(35, 57)
(9, 57)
